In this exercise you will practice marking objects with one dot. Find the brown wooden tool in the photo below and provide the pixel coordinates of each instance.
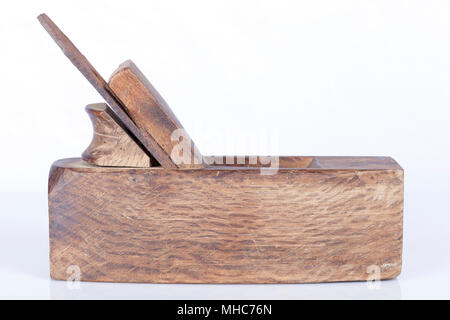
(238, 220)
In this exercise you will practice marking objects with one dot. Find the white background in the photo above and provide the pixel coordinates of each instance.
(322, 77)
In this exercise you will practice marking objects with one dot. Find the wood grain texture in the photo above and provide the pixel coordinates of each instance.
(226, 224)
(96, 80)
(111, 146)
(150, 112)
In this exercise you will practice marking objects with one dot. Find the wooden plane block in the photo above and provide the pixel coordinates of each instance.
(152, 115)
(111, 146)
(335, 219)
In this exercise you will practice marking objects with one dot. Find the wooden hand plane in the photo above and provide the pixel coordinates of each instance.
(143, 205)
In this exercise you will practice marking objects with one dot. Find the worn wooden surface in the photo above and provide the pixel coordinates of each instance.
(96, 80)
(111, 146)
(150, 112)
(328, 221)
